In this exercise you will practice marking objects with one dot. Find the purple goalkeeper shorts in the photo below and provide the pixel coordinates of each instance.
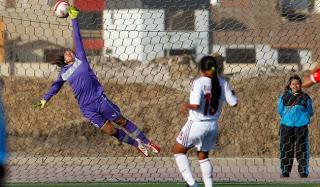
(100, 111)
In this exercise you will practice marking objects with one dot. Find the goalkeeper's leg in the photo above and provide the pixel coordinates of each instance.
(108, 128)
(112, 113)
(131, 128)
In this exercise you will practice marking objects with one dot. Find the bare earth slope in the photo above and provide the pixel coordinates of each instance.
(249, 130)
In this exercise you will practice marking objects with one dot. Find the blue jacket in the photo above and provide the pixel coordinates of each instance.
(295, 110)
(3, 135)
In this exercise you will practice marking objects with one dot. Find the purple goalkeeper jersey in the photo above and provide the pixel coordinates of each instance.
(79, 75)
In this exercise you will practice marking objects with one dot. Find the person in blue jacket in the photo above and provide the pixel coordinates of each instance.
(93, 103)
(295, 110)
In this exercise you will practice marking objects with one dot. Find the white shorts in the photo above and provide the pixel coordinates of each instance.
(201, 135)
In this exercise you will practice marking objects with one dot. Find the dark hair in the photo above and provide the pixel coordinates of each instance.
(293, 77)
(59, 61)
(220, 59)
(208, 63)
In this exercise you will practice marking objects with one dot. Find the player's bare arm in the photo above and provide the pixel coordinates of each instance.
(307, 81)
(315, 69)
(187, 106)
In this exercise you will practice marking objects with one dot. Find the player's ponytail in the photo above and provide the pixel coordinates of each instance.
(209, 63)
(59, 61)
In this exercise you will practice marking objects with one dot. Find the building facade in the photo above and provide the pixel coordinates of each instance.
(144, 30)
(253, 33)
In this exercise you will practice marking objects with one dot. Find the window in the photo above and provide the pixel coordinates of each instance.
(90, 24)
(180, 20)
(240, 56)
(175, 52)
(229, 24)
(289, 56)
(90, 20)
(295, 10)
(10, 4)
(93, 52)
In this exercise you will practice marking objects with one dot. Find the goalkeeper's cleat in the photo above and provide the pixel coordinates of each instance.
(153, 147)
(141, 148)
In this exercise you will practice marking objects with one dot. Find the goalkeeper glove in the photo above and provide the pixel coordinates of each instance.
(73, 12)
(40, 104)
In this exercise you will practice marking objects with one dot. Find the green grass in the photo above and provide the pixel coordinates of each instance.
(157, 185)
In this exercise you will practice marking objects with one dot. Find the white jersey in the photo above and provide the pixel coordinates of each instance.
(201, 95)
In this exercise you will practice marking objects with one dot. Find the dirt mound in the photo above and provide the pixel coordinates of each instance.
(60, 129)
(249, 130)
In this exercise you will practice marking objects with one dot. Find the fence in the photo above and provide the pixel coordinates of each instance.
(145, 54)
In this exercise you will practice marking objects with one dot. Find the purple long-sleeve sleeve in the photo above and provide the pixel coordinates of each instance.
(54, 89)
(80, 52)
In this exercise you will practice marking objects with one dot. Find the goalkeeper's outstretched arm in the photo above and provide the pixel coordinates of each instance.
(80, 52)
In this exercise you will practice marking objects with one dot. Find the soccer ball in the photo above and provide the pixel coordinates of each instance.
(61, 9)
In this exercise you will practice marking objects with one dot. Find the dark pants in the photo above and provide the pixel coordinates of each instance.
(294, 141)
(2, 175)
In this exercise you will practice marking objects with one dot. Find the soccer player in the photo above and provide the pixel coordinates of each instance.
(93, 103)
(295, 110)
(207, 96)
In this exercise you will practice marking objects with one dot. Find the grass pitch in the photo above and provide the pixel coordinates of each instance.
(158, 185)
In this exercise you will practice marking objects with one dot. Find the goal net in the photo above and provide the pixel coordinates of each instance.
(145, 53)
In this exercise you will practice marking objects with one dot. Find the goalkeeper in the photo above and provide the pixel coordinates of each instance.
(295, 110)
(93, 103)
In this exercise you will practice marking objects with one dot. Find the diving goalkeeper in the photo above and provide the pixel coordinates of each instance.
(93, 103)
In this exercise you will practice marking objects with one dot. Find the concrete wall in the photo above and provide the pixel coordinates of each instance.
(40, 69)
(139, 34)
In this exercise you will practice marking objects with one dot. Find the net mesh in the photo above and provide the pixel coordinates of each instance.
(145, 54)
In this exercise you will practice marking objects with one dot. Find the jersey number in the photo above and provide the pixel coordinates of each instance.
(207, 107)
